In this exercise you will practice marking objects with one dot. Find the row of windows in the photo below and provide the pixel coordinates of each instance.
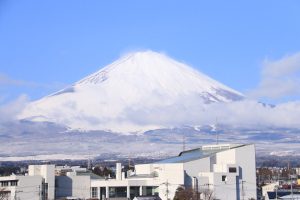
(117, 192)
(9, 183)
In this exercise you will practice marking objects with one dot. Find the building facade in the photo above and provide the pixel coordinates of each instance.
(226, 172)
(38, 184)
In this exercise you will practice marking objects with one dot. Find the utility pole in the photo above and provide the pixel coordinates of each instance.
(291, 180)
(89, 166)
(243, 192)
(216, 131)
(292, 187)
(167, 189)
(40, 193)
(17, 191)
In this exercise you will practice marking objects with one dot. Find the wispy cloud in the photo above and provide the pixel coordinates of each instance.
(8, 81)
(279, 78)
(9, 111)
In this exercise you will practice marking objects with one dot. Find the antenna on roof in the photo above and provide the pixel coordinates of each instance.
(183, 142)
(215, 129)
(89, 164)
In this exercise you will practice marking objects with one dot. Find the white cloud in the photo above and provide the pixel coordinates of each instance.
(9, 111)
(253, 114)
(279, 78)
(8, 81)
(246, 113)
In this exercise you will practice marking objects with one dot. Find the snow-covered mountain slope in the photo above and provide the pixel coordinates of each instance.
(129, 95)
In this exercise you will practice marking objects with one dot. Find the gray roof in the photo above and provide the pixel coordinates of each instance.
(195, 154)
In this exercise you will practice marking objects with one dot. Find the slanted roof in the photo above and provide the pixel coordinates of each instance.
(195, 154)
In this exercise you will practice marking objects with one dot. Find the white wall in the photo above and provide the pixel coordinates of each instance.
(76, 186)
(242, 158)
(193, 168)
(226, 190)
(47, 172)
(29, 187)
(143, 169)
(170, 176)
(245, 158)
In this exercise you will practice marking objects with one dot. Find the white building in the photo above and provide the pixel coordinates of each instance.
(226, 171)
(37, 185)
(74, 184)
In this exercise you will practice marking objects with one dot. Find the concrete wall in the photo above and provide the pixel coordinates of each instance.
(76, 186)
(170, 177)
(226, 190)
(47, 172)
(192, 168)
(244, 158)
(29, 187)
(143, 169)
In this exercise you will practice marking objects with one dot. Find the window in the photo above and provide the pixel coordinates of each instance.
(224, 178)
(232, 169)
(4, 183)
(94, 192)
(14, 183)
(117, 192)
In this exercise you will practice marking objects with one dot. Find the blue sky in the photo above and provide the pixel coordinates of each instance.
(45, 45)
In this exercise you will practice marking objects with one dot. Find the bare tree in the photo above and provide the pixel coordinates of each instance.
(208, 194)
(4, 194)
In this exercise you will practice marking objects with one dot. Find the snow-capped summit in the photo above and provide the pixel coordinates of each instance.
(127, 95)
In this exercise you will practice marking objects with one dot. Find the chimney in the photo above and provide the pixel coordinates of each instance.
(118, 171)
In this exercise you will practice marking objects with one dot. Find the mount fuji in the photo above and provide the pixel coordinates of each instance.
(146, 104)
(140, 91)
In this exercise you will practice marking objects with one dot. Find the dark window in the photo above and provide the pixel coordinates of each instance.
(232, 170)
(115, 192)
(94, 192)
(102, 193)
(14, 183)
(224, 178)
(4, 183)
